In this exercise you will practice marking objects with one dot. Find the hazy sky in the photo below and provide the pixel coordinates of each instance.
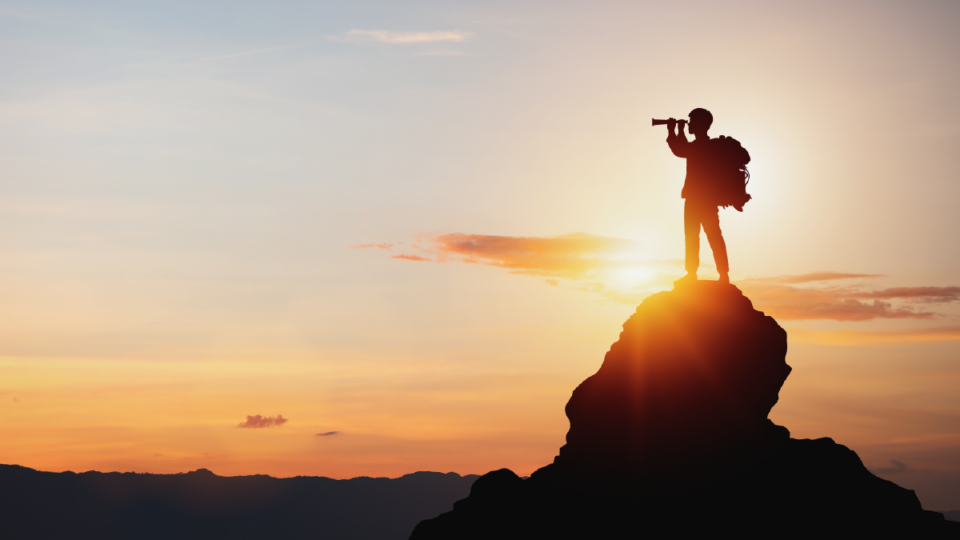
(414, 227)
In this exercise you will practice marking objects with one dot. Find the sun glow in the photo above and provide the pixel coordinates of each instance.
(632, 276)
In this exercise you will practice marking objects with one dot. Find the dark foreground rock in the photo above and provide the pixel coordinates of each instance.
(40, 505)
(670, 439)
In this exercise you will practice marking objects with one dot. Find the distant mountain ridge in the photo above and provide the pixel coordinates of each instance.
(200, 504)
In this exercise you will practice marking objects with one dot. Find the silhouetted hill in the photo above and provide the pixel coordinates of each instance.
(200, 504)
(952, 515)
(670, 438)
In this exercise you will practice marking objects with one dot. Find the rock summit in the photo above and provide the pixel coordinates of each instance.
(670, 439)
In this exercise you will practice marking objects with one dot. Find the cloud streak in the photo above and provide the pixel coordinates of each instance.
(403, 38)
(896, 467)
(928, 294)
(813, 277)
(410, 258)
(798, 303)
(382, 245)
(863, 337)
(257, 421)
(782, 299)
(573, 256)
(614, 269)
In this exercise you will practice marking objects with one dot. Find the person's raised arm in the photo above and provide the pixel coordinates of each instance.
(677, 140)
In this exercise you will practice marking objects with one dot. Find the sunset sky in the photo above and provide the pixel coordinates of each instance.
(372, 238)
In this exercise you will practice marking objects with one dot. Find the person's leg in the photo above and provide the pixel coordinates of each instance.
(710, 217)
(691, 230)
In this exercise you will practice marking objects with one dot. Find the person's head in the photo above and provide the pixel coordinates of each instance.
(700, 121)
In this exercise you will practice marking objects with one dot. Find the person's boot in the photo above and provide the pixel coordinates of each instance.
(690, 277)
(724, 278)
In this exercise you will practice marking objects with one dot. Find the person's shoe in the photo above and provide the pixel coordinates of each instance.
(690, 277)
(724, 278)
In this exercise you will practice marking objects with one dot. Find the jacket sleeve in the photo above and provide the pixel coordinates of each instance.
(679, 145)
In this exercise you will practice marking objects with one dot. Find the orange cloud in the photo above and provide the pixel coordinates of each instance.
(410, 258)
(610, 268)
(571, 256)
(383, 245)
(258, 421)
(839, 304)
(862, 337)
(928, 294)
(782, 300)
(815, 276)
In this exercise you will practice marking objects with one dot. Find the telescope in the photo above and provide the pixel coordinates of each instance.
(664, 122)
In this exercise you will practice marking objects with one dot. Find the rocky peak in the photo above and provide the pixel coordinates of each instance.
(694, 366)
(670, 439)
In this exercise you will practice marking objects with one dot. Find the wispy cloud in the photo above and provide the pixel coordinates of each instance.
(896, 467)
(947, 438)
(383, 245)
(574, 256)
(257, 421)
(328, 433)
(782, 299)
(815, 276)
(403, 38)
(410, 257)
(796, 303)
(865, 337)
(928, 294)
(615, 269)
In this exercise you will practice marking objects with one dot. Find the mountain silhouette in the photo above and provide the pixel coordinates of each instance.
(670, 438)
(200, 504)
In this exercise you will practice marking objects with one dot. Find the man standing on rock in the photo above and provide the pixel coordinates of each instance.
(701, 191)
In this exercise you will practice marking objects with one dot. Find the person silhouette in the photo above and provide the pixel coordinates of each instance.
(700, 190)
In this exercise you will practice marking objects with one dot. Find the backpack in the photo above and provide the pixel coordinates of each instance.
(730, 165)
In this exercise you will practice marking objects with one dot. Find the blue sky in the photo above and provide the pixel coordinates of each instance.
(181, 185)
